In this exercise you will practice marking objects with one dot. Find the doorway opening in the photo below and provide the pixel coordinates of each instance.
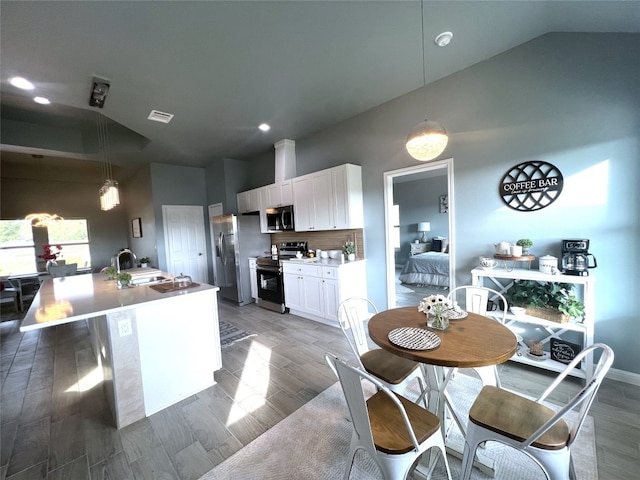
(423, 193)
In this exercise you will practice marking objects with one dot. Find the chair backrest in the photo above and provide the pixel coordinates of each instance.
(352, 313)
(351, 381)
(477, 298)
(584, 398)
(57, 271)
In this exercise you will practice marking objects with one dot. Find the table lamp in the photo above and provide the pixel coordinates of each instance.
(424, 227)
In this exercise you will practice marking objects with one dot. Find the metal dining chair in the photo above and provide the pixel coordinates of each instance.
(396, 372)
(476, 301)
(393, 430)
(59, 271)
(543, 434)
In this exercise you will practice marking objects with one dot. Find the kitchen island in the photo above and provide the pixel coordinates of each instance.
(154, 349)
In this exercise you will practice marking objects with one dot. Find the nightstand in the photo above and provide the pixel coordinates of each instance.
(418, 248)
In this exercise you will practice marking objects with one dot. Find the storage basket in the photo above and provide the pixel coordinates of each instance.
(550, 314)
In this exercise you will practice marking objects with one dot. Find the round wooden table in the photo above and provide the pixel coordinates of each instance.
(474, 341)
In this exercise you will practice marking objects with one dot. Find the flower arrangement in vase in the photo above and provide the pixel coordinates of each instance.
(436, 307)
(49, 255)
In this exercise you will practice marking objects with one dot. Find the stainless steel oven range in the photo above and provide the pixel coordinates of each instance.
(269, 276)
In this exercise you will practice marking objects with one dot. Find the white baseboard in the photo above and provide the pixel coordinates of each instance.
(624, 376)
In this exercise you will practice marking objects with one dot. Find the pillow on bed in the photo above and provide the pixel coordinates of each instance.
(440, 245)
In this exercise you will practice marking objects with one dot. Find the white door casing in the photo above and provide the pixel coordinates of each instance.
(185, 241)
(447, 165)
(214, 210)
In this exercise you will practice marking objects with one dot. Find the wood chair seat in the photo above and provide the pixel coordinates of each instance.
(389, 432)
(517, 417)
(387, 366)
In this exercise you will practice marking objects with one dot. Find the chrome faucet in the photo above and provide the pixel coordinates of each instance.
(125, 250)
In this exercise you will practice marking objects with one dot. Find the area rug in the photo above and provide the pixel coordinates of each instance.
(313, 442)
(230, 334)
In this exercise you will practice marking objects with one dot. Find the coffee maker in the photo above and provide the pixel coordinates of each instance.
(575, 257)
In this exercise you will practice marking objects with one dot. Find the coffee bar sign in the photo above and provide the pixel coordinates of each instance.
(531, 186)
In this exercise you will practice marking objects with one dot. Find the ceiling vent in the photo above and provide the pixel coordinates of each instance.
(158, 116)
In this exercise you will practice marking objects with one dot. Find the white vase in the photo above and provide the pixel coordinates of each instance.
(351, 257)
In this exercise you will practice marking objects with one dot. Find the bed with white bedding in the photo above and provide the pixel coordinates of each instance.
(429, 268)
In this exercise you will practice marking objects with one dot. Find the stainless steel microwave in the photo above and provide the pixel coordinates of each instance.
(280, 219)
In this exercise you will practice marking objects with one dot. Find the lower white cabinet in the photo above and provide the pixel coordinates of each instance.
(314, 291)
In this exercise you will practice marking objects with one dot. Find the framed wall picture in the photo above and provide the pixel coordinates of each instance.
(136, 228)
(444, 203)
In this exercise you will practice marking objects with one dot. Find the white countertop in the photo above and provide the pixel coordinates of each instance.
(68, 299)
(330, 262)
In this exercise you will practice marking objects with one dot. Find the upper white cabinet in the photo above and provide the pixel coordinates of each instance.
(251, 200)
(330, 199)
(279, 194)
(346, 183)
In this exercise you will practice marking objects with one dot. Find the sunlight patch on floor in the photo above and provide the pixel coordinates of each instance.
(254, 383)
(90, 380)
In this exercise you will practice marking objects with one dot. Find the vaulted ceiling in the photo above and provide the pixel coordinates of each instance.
(222, 68)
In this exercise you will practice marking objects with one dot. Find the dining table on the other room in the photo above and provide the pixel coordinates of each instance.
(471, 341)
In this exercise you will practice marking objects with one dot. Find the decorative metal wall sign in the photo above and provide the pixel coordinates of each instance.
(531, 186)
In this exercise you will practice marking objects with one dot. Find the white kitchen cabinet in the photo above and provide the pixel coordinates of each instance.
(253, 201)
(501, 279)
(253, 275)
(330, 199)
(314, 291)
(279, 194)
(348, 211)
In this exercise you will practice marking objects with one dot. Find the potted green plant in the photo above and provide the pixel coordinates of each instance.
(110, 272)
(123, 279)
(144, 262)
(549, 300)
(349, 250)
(526, 244)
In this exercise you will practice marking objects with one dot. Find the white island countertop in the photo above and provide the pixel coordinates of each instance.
(77, 297)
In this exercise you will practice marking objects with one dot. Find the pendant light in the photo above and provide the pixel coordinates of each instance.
(109, 194)
(428, 139)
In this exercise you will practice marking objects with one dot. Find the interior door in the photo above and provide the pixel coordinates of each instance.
(185, 241)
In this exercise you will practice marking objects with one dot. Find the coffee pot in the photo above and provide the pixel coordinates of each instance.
(575, 257)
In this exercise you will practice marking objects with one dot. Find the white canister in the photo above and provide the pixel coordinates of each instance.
(516, 250)
(548, 264)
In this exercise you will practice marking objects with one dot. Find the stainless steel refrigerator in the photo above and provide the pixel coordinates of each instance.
(236, 238)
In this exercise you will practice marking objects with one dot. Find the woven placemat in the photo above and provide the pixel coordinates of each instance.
(414, 338)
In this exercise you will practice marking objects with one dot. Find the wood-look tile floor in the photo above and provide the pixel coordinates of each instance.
(55, 422)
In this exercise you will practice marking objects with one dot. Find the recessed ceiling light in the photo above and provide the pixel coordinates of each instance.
(443, 39)
(265, 127)
(22, 83)
(41, 100)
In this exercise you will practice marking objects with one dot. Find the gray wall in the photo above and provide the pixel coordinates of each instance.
(71, 198)
(174, 185)
(569, 99)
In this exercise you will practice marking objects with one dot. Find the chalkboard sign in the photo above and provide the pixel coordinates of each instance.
(563, 351)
